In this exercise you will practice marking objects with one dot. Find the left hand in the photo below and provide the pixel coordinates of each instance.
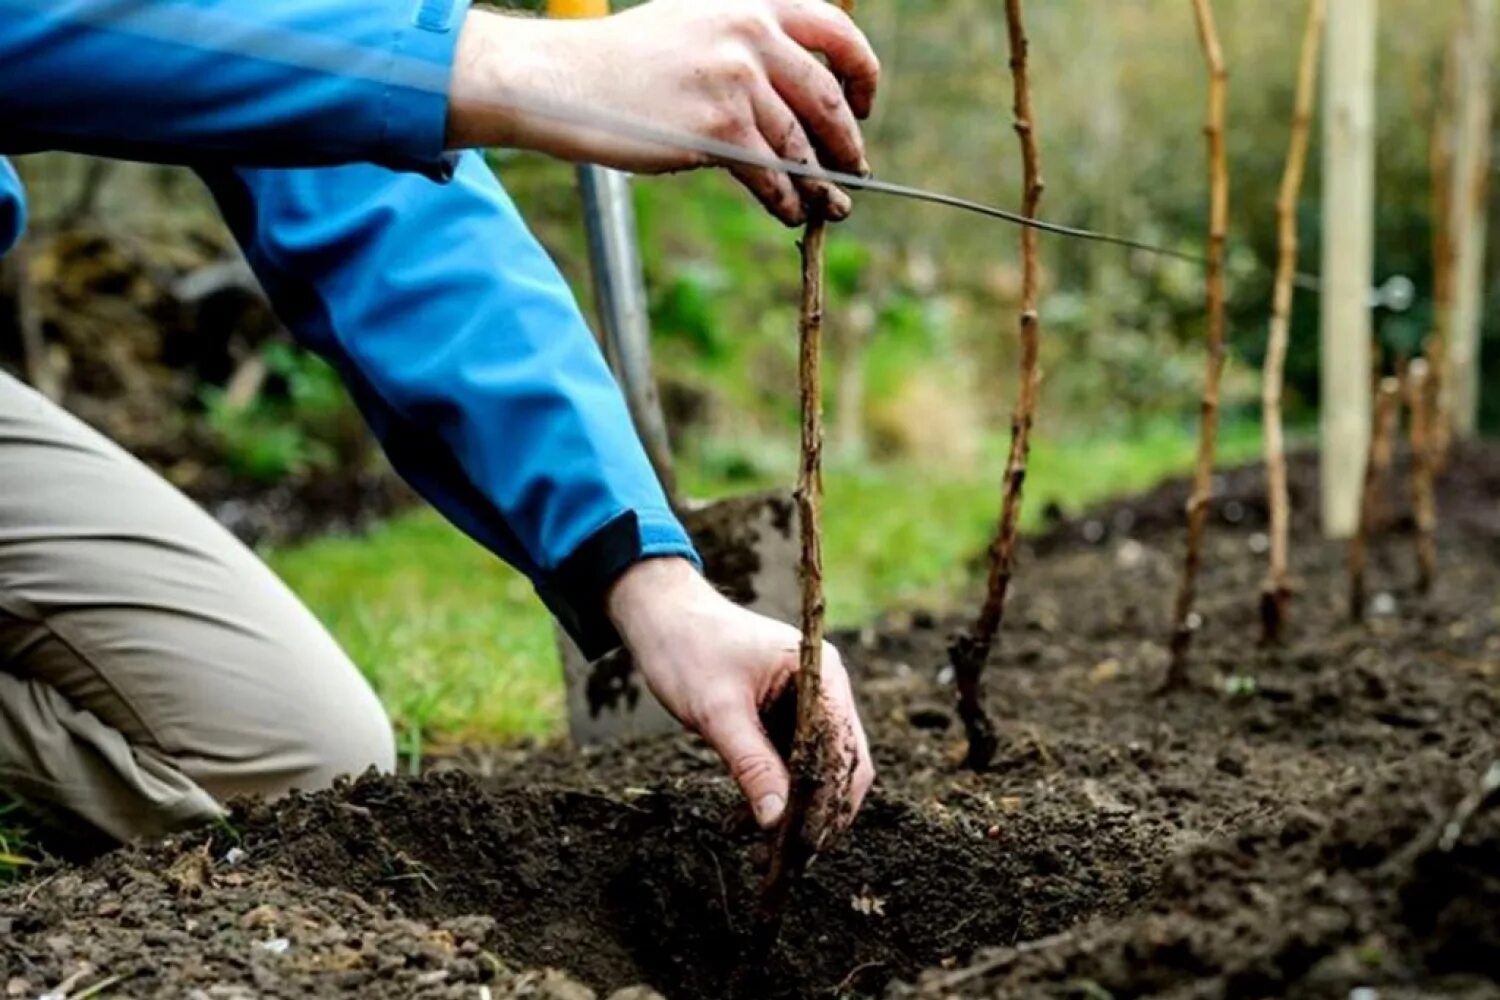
(716, 666)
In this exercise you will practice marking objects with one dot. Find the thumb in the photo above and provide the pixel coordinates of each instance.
(754, 764)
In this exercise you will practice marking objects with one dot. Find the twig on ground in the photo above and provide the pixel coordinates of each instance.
(1185, 619)
(1277, 592)
(970, 652)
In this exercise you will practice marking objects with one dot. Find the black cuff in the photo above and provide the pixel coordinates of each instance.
(577, 591)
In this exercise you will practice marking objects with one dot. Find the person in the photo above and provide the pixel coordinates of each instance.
(150, 666)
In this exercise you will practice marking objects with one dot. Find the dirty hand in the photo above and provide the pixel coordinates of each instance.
(737, 71)
(715, 666)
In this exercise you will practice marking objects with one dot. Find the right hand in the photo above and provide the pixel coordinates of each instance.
(737, 71)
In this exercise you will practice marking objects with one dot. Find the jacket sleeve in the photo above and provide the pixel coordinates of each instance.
(467, 353)
(265, 82)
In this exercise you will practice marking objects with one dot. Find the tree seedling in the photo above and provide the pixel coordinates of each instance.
(971, 651)
(810, 757)
(1276, 593)
(1186, 620)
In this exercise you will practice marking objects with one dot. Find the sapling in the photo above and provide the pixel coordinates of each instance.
(969, 652)
(1423, 501)
(1184, 617)
(1277, 592)
(810, 755)
(1441, 160)
(1378, 464)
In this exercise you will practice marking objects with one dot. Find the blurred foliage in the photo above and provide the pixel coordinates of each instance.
(1120, 103)
(923, 298)
(300, 423)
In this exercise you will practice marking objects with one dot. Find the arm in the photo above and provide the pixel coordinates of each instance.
(467, 354)
(277, 82)
(396, 82)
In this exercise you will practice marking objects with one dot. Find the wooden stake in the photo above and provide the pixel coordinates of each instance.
(1423, 499)
(1277, 592)
(1387, 409)
(810, 756)
(970, 652)
(1185, 618)
(1348, 263)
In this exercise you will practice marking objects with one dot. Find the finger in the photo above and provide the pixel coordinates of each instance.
(822, 27)
(735, 733)
(784, 134)
(772, 188)
(814, 94)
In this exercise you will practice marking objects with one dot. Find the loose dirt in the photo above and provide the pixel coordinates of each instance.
(1274, 831)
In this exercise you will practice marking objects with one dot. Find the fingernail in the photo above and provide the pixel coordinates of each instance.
(865, 170)
(768, 809)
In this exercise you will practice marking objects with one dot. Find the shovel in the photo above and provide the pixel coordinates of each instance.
(749, 544)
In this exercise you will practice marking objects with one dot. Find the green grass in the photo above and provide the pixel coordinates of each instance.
(459, 648)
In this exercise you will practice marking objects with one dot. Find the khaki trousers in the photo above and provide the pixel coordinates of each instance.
(150, 664)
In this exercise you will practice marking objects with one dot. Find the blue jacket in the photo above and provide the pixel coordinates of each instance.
(319, 127)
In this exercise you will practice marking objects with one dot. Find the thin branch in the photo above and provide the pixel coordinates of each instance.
(1423, 499)
(1387, 410)
(970, 652)
(1440, 154)
(1276, 593)
(1186, 620)
(810, 756)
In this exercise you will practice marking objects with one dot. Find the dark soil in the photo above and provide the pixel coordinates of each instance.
(1273, 831)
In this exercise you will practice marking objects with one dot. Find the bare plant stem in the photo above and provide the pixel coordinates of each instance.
(971, 651)
(1387, 409)
(1443, 249)
(809, 760)
(1276, 594)
(790, 852)
(1423, 499)
(1184, 617)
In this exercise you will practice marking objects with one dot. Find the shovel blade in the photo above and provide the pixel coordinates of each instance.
(750, 548)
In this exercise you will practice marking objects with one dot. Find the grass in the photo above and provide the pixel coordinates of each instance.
(460, 650)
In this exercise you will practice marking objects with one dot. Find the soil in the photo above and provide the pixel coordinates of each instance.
(1278, 829)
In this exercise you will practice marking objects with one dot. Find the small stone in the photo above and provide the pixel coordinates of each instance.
(1231, 763)
(234, 856)
(1105, 671)
(15, 986)
(1130, 554)
(277, 946)
(1259, 543)
(1383, 605)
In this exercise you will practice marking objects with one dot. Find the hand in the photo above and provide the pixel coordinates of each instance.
(716, 666)
(737, 71)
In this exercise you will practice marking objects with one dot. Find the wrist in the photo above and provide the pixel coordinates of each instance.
(500, 60)
(651, 593)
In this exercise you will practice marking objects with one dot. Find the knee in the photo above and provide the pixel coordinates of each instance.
(351, 739)
(300, 737)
